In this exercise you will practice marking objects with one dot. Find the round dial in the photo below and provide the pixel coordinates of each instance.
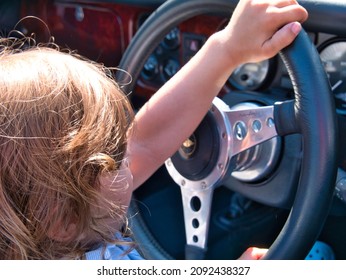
(150, 68)
(172, 39)
(250, 76)
(170, 68)
(333, 56)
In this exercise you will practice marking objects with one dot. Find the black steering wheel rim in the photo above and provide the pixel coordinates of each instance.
(314, 113)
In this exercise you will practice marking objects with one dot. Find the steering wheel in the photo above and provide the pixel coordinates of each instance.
(311, 114)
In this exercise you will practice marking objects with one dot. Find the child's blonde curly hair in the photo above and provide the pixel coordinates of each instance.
(63, 121)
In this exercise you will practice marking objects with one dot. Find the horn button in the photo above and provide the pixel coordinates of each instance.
(198, 155)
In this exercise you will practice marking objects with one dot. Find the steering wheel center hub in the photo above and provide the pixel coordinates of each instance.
(203, 159)
(198, 154)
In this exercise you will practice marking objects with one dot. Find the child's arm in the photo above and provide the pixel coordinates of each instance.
(258, 30)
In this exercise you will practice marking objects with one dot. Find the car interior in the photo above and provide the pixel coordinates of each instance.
(214, 198)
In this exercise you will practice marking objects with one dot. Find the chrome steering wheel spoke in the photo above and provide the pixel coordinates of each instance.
(197, 208)
(251, 127)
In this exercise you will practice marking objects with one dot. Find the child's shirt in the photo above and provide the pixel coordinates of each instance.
(114, 252)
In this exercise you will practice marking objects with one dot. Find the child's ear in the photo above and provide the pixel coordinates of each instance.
(62, 234)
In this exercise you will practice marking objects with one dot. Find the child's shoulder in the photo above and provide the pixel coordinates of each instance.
(111, 251)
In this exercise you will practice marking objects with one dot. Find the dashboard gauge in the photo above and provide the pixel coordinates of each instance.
(333, 56)
(172, 39)
(250, 76)
(150, 68)
(170, 68)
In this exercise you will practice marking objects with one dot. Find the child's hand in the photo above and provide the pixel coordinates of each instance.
(253, 253)
(259, 29)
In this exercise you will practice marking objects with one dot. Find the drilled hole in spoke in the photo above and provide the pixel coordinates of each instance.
(195, 204)
(195, 238)
(195, 223)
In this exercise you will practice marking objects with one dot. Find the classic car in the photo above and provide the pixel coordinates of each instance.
(285, 187)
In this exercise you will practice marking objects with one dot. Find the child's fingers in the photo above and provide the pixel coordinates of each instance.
(283, 3)
(282, 38)
(293, 12)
